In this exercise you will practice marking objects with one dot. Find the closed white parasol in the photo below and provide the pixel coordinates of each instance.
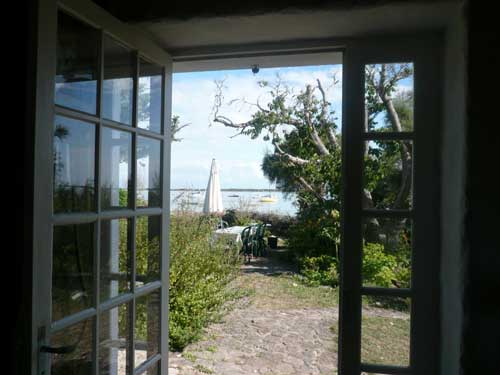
(213, 194)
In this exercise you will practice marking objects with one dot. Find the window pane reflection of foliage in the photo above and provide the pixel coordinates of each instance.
(115, 258)
(148, 172)
(149, 100)
(77, 64)
(79, 361)
(114, 338)
(72, 269)
(118, 83)
(147, 327)
(74, 165)
(148, 231)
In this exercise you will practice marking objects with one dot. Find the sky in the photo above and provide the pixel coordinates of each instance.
(238, 158)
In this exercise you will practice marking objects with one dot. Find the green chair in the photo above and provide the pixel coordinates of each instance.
(259, 247)
(247, 238)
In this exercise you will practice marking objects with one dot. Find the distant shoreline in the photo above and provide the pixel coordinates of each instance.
(232, 189)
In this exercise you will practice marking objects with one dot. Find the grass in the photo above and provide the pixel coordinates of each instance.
(203, 369)
(189, 356)
(385, 340)
(286, 292)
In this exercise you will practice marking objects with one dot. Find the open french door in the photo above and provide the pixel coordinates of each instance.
(102, 195)
(369, 65)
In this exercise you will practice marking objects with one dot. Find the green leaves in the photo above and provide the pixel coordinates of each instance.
(199, 273)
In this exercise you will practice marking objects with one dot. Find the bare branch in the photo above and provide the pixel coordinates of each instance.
(291, 158)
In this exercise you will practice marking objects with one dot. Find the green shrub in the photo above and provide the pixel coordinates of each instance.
(320, 270)
(378, 266)
(315, 233)
(199, 274)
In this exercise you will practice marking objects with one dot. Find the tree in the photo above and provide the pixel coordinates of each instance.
(306, 156)
(175, 128)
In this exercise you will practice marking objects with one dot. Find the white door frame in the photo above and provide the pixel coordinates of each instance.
(422, 49)
(44, 218)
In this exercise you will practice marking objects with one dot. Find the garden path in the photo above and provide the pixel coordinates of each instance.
(282, 327)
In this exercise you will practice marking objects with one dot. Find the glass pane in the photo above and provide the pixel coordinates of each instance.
(387, 175)
(79, 361)
(385, 335)
(115, 258)
(387, 252)
(147, 327)
(154, 369)
(118, 84)
(72, 269)
(116, 169)
(147, 249)
(149, 104)
(114, 340)
(148, 172)
(77, 64)
(74, 165)
(389, 97)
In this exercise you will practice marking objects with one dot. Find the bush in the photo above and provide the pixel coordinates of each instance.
(320, 270)
(378, 267)
(314, 234)
(199, 274)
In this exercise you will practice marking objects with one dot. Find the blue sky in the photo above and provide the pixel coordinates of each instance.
(239, 158)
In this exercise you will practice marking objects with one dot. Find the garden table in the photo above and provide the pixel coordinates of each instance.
(230, 235)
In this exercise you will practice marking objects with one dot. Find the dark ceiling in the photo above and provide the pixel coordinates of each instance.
(151, 10)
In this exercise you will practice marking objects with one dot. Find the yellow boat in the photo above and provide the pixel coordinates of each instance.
(268, 199)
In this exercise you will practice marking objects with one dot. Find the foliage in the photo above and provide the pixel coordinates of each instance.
(378, 267)
(237, 217)
(321, 270)
(306, 158)
(199, 274)
(315, 233)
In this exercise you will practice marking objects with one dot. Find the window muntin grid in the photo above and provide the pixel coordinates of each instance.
(96, 215)
(379, 138)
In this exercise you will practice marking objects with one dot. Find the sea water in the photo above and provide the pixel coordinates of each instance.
(284, 204)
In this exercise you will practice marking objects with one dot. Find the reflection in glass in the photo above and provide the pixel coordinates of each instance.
(74, 165)
(148, 172)
(385, 335)
(116, 168)
(79, 361)
(72, 269)
(149, 102)
(77, 64)
(147, 244)
(114, 339)
(387, 252)
(389, 97)
(147, 327)
(387, 175)
(115, 258)
(118, 84)
(153, 369)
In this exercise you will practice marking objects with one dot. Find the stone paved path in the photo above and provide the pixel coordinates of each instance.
(256, 340)
(265, 338)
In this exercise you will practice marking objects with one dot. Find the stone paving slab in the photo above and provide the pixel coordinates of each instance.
(255, 341)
